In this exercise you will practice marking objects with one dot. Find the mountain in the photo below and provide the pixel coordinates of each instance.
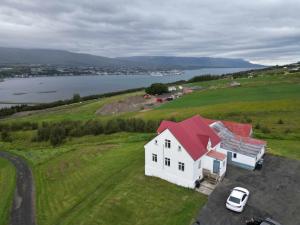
(66, 58)
(190, 62)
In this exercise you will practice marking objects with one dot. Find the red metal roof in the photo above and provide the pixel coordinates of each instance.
(216, 155)
(193, 134)
(241, 129)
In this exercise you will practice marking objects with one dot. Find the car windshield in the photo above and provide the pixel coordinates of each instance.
(234, 199)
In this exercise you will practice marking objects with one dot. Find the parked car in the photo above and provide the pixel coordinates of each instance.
(237, 199)
(266, 221)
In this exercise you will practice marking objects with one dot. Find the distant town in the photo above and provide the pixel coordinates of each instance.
(25, 71)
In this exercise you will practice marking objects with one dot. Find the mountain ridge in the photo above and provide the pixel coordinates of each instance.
(67, 58)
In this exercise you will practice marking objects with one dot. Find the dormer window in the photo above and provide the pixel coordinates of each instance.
(167, 143)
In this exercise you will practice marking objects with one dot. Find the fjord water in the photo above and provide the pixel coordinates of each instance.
(47, 89)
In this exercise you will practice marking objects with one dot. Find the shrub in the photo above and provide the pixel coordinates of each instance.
(280, 121)
(287, 131)
(157, 89)
(257, 126)
(112, 126)
(76, 98)
(265, 130)
(57, 135)
(43, 133)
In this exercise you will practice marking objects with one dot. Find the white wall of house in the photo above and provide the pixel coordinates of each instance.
(176, 153)
(240, 159)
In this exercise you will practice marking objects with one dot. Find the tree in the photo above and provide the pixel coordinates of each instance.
(57, 135)
(157, 89)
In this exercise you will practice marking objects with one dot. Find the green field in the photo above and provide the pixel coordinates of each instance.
(100, 179)
(7, 187)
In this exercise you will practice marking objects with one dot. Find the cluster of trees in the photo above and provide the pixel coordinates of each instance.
(203, 78)
(16, 126)
(56, 133)
(157, 89)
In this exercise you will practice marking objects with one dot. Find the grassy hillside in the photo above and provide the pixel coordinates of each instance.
(100, 179)
(7, 187)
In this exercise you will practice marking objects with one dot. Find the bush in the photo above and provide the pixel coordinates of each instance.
(265, 130)
(257, 126)
(280, 121)
(5, 136)
(112, 126)
(76, 98)
(157, 89)
(57, 135)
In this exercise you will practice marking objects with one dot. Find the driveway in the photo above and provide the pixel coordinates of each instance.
(274, 192)
(23, 211)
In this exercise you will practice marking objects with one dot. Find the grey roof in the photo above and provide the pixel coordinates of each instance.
(232, 142)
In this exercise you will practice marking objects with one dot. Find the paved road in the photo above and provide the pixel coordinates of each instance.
(274, 192)
(23, 210)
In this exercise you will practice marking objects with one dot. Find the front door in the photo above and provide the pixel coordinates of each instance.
(216, 167)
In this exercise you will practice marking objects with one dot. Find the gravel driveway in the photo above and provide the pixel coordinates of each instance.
(274, 192)
(22, 212)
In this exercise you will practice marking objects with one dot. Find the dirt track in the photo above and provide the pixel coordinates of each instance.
(23, 209)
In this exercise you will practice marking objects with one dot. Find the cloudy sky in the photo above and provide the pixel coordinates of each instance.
(262, 31)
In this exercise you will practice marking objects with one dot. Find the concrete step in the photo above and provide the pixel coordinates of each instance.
(206, 187)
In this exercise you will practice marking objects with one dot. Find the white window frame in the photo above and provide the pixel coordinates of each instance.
(167, 161)
(179, 148)
(154, 157)
(181, 166)
(167, 143)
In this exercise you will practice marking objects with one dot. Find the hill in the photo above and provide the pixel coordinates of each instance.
(99, 179)
(66, 58)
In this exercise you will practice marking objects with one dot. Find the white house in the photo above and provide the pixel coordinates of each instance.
(181, 151)
(185, 152)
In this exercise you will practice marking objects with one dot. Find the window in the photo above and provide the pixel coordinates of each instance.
(179, 148)
(154, 157)
(167, 143)
(181, 166)
(234, 155)
(224, 163)
(199, 165)
(167, 161)
(156, 142)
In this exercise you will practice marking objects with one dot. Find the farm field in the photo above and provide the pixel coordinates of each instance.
(100, 179)
(7, 187)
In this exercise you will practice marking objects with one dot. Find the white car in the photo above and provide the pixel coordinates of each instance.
(237, 199)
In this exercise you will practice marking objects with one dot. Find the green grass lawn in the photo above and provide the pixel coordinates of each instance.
(100, 179)
(7, 187)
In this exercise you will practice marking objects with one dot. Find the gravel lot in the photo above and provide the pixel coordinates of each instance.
(274, 192)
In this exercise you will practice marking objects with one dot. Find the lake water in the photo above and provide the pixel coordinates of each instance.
(47, 89)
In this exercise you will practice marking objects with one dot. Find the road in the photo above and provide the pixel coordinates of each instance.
(23, 209)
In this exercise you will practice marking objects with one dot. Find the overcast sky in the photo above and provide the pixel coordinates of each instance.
(262, 31)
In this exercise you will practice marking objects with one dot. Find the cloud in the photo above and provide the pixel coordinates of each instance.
(263, 31)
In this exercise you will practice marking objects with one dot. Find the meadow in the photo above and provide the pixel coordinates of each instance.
(100, 179)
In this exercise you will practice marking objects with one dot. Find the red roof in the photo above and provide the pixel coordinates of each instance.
(216, 155)
(241, 129)
(193, 134)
